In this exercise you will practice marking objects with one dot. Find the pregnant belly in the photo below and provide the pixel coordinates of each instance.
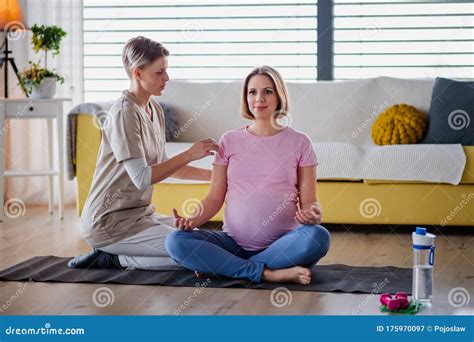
(257, 222)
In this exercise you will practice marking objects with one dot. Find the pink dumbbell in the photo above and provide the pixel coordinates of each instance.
(399, 302)
(403, 299)
(391, 303)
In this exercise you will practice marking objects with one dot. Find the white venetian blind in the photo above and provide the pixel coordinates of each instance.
(208, 40)
(403, 39)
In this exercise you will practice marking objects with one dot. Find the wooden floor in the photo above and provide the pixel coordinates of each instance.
(38, 233)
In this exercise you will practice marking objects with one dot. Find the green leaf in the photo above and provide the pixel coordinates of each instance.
(47, 38)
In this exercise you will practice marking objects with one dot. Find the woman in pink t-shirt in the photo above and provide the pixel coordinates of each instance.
(266, 174)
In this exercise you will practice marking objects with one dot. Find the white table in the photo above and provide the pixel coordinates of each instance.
(49, 109)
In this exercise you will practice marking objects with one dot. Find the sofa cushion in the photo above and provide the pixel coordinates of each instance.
(399, 124)
(171, 122)
(451, 113)
(327, 111)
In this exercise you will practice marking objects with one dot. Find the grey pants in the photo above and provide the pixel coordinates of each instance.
(145, 250)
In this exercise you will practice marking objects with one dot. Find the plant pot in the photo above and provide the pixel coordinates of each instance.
(45, 90)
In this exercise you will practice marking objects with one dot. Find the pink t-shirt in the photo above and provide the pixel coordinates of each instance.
(262, 183)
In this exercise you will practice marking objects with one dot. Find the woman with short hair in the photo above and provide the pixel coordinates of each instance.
(118, 220)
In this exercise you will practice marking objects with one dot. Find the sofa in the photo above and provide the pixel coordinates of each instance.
(358, 182)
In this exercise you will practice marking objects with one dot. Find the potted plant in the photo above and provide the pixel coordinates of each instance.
(38, 81)
(35, 80)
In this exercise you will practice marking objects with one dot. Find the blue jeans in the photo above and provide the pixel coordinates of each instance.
(217, 253)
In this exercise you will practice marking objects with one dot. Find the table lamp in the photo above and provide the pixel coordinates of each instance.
(11, 21)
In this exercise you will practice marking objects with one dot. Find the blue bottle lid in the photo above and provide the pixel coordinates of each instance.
(422, 239)
(420, 231)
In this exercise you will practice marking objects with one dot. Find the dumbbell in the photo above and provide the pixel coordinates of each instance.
(403, 299)
(399, 302)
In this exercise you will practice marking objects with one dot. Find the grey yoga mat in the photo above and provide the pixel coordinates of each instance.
(325, 278)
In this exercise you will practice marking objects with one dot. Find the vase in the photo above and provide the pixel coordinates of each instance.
(45, 90)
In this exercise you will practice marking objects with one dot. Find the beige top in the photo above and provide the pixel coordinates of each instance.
(115, 209)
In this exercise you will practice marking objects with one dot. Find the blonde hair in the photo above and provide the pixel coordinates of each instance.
(140, 52)
(278, 84)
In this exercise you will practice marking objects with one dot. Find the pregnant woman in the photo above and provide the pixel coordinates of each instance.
(118, 220)
(266, 174)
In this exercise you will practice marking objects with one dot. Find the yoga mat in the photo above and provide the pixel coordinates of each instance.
(325, 278)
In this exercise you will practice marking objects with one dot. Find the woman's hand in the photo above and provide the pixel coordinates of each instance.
(201, 149)
(309, 214)
(182, 222)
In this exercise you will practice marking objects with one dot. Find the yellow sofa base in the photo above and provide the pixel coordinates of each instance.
(342, 201)
(358, 203)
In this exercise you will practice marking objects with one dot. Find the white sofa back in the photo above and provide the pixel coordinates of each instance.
(328, 111)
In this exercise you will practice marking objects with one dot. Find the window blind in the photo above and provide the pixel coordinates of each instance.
(404, 39)
(208, 40)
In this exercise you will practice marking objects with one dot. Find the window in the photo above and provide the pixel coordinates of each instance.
(222, 40)
(208, 40)
(403, 39)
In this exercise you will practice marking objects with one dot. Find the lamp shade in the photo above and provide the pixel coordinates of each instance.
(11, 17)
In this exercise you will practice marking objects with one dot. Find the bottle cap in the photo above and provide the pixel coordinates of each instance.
(420, 230)
(422, 239)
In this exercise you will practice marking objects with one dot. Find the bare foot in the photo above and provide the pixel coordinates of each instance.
(297, 274)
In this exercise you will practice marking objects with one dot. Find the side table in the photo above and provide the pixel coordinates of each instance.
(49, 109)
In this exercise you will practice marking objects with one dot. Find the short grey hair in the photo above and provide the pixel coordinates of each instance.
(140, 52)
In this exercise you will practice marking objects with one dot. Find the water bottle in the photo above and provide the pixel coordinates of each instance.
(423, 261)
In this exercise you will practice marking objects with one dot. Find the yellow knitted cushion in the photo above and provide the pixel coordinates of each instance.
(399, 124)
